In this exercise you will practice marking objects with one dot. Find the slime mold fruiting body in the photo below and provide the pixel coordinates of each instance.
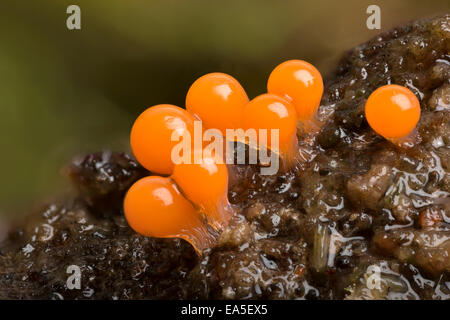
(393, 112)
(151, 136)
(218, 100)
(302, 83)
(154, 207)
(210, 190)
(271, 112)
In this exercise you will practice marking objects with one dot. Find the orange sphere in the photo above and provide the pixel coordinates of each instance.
(392, 111)
(270, 111)
(151, 136)
(206, 185)
(299, 81)
(217, 99)
(154, 207)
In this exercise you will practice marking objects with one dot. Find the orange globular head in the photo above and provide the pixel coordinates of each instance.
(206, 184)
(392, 111)
(269, 112)
(154, 207)
(299, 81)
(152, 132)
(218, 100)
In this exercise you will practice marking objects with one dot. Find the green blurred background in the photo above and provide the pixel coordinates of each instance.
(63, 93)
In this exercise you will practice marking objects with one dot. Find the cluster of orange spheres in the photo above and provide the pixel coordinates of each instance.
(189, 200)
(190, 197)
